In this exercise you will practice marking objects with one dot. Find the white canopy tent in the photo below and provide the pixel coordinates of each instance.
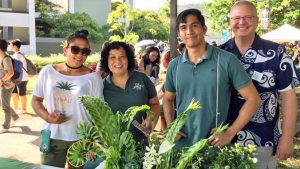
(285, 33)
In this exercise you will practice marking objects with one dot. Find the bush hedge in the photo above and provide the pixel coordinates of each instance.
(40, 62)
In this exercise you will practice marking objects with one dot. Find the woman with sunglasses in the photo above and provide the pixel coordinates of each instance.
(60, 85)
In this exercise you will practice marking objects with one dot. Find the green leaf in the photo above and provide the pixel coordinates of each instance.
(103, 119)
(174, 128)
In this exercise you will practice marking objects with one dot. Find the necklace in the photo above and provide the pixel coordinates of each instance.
(70, 67)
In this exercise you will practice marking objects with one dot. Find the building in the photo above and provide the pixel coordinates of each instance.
(96, 9)
(20, 18)
(18, 21)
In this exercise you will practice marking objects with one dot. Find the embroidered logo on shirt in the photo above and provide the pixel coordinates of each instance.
(137, 86)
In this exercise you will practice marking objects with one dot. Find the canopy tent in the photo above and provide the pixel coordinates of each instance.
(144, 43)
(285, 33)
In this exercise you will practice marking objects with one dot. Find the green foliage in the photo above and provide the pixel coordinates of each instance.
(44, 7)
(77, 152)
(177, 124)
(40, 62)
(151, 25)
(65, 24)
(103, 119)
(233, 156)
(187, 157)
(141, 24)
(282, 11)
(87, 131)
(116, 144)
(131, 112)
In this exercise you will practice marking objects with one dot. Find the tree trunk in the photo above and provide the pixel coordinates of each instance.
(173, 31)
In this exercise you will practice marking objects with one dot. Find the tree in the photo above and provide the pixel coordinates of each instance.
(150, 25)
(282, 11)
(45, 7)
(131, 25)
(65, 24)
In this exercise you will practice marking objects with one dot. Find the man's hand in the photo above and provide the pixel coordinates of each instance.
(285, 148)
(147, 124)
(222, 139)
(180, 135)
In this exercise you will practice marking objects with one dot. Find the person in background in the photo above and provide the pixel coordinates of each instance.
(124, 87)
(149, 63)
(60, 85)
(273, 74)
(19, 92)
(198, 74)
(7, 86)
(165, 60)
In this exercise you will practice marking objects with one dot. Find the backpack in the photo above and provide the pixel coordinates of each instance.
(18, 70)
(31, 69)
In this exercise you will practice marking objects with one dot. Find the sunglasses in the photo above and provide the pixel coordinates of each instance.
(76, 50)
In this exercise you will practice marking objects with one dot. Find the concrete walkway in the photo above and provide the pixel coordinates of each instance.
(22, 141)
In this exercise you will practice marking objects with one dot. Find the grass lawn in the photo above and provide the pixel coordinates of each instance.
(291, 163)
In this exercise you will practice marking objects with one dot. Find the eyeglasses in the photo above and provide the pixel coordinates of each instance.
(76, 50)
(245, 18)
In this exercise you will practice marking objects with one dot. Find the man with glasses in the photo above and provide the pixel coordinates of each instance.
(273, 73)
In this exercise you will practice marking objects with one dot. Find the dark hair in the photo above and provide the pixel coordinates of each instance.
(104, 45)
(117, 45)
(17, 43)
(79, 34)
(3, 45)
(146, 56)
(181, 47)
(181, 18)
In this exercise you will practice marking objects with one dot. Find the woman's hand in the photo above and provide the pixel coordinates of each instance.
(90, 156)
(56, 118)
(147, 124)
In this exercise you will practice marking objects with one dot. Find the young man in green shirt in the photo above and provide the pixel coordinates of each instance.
(194, 75)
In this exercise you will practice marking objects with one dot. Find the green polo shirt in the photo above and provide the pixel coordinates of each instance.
(138, 90)
(199, 81)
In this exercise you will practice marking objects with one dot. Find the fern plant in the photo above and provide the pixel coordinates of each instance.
(106, 136)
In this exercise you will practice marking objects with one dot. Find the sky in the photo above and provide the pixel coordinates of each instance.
(156, 4)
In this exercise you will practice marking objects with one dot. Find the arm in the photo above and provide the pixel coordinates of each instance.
(169, 111)
(285, 146)
(10, 71)
(252, 103)
(168, 106)
(141, 65)
(154, 105)
(40, 110)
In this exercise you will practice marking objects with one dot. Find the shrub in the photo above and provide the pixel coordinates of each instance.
(40, 62)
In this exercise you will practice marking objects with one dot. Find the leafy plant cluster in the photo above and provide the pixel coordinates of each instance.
(40, 62)
(108, 137)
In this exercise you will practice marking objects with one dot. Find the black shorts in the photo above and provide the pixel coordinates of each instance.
(20, 89)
